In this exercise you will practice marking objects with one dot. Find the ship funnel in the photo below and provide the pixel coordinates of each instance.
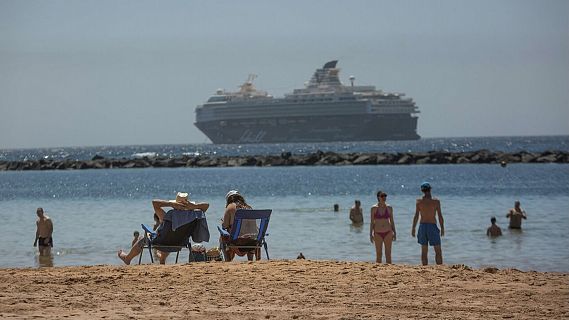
(330, 64)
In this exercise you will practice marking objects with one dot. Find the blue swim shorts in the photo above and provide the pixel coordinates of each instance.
(429, 233)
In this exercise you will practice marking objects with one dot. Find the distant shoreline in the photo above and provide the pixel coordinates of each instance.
(318, 158)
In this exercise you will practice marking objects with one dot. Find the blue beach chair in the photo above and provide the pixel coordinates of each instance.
(235, 241)
(175, 231)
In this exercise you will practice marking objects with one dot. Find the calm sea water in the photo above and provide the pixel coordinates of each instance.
(505, 144)
(96, 211)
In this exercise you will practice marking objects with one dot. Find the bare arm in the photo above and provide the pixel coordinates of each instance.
(371, 224)
(203, 206)
(229, 212)
(37, 233)
(441, 220)
(415, 218)
(159, 204)
(392, 221)
(524, 214)
(50, 227)
(352, 214)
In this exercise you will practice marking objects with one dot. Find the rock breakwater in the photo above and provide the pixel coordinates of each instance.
(318, 158)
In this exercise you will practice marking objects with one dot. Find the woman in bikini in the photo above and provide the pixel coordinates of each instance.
(382, 227)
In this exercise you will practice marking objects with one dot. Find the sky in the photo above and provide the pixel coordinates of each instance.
(93, 73)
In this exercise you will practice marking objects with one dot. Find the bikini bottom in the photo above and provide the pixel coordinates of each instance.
(383, 234)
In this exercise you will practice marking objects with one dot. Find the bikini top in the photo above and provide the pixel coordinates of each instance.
(379, 215)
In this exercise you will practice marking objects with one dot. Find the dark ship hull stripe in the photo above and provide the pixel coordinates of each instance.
(370, 127)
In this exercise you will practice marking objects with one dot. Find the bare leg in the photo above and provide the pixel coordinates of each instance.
(162, 255)
(378, 248)
(424, 255)
(387, 243)
(227, 255)
(230, 255)
(438, 254)
(134, 251)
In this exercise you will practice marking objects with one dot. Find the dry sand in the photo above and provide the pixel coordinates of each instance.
(295, 289)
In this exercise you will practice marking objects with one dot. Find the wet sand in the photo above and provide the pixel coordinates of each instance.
(281, 289)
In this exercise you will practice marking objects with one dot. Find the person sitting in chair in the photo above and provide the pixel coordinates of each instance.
(248, 232)
(181, 203)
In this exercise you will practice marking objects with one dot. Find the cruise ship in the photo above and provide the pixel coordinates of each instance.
(324, 111)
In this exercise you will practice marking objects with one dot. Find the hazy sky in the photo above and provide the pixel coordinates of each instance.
(83, 73)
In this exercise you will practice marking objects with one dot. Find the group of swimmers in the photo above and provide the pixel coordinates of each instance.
(516, 214)
(427, 209)
(382, 231)
(382, 226)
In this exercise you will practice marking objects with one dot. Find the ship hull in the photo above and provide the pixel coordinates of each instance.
(370, 127)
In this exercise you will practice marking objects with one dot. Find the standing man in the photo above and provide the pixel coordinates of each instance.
(516, 214)
(428, 207)
(44, 232)
(356, 213)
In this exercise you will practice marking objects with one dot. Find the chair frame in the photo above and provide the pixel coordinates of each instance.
(245, 214)
(150, 234)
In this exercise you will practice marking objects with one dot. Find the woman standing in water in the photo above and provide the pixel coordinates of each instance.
(382, 227)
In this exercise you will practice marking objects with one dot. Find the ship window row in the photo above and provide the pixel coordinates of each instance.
(283, 114)
(287, 113)
(288, 109)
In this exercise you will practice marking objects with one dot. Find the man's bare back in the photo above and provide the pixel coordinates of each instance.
(428, 208)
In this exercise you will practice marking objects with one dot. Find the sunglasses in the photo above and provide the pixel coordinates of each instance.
(383, 196)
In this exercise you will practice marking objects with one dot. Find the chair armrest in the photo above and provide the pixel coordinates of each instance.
(147, 229)
(223, 232)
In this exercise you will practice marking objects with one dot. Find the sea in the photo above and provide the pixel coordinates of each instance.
(95, 212)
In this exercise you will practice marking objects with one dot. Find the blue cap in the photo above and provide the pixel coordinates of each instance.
(425, 185)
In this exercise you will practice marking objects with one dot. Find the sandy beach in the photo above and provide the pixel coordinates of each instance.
(282, 289)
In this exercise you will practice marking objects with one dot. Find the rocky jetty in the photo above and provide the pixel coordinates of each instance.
(318, 158)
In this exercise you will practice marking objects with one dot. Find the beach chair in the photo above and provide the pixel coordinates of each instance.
(235, 241)
(174, 233)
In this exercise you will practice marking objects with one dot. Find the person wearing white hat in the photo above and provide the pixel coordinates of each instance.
(181, 202)
(234, 200)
